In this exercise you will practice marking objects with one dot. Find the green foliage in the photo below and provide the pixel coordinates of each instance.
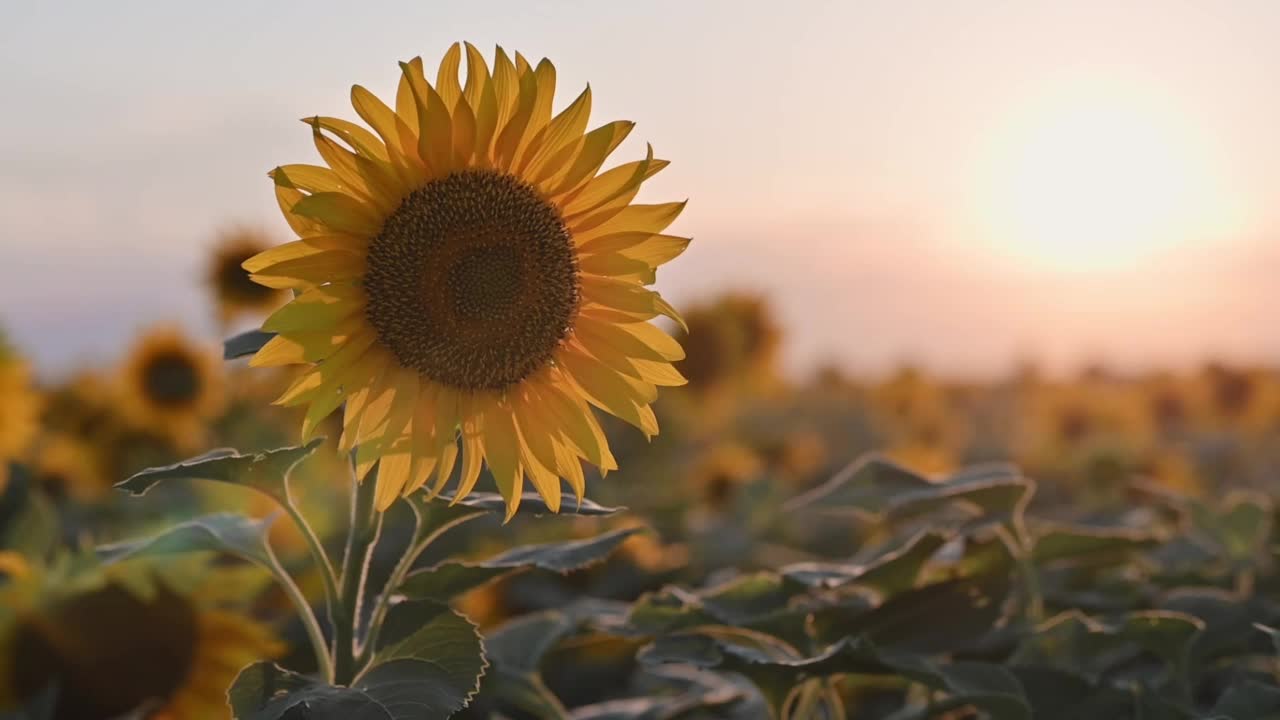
(958, 601)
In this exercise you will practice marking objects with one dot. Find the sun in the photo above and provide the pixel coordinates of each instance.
(1098, 180)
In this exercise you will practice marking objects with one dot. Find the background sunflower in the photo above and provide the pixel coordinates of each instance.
(171, 387)
(234, 293)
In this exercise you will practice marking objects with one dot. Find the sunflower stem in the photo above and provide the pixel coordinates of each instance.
(327, 574)
(309, 621)
(366, 523)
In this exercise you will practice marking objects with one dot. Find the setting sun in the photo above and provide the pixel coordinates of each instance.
(1093, 181)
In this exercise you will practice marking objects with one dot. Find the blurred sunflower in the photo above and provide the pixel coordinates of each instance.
(735, 336)
(20, 407)
(171, 387)
(234, 292)
(721, 471)
(67, 467)
(469, 267)
(117, 645)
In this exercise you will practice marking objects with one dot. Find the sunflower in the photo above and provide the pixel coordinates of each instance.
(20, 408)
(233, 291)
(67, 467)
(721, 471)
(171, 387)
(468, 267)
(736, 336)
(113, 645)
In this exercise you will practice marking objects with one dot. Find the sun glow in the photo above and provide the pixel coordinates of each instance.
(1100, 181)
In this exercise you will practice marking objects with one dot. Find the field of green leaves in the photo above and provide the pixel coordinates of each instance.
(759, 569)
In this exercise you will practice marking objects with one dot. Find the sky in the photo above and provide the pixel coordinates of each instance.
(963, 186)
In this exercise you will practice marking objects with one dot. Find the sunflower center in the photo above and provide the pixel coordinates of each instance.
(473, 281)
(171, 380)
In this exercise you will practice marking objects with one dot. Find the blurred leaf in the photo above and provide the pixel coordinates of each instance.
(1061, 695)
(244, 344)
(1272, 633)
(999, 499)
(447, 580)
(867, 484)
(1230, 622)
(1092, 544)
(264, 472)
(777, 667)
(892, 572)
(948, 616)
(397, 690)
(220, 532)
(28, 521)
(1244, 525)
(1076, 642)
(1248, 700)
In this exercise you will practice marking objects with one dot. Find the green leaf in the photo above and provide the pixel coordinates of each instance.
(1061, 695)
(531, 503)
(516, 649)
(776, 667)
(1095, 545)
(948, 616)
(220, 532)
(1248, 700)
(449, 579)
(434, 633)
(891, 573)
(28, 521)
(265, 472)
(244, 344)
(398, 690)
(1245, 525)
(1230, 622)
(868, 484)
(1076, 642)
(999, 499)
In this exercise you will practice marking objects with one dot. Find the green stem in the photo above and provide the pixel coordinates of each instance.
(1019, 546)
(327, 574)
(383, 604)
(308, 616)
(363, 535)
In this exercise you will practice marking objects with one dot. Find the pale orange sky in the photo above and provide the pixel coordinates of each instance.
(959, 184)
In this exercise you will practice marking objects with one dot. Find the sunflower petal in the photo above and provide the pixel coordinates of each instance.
(502, 453)
(596, 148)
(634, 218)
(362, 141)
(339, 212)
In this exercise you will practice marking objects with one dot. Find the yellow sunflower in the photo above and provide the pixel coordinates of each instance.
(233, 290)
(171, 387)
(67, 467)
(20, 407)
(113, 646)
(468, 267)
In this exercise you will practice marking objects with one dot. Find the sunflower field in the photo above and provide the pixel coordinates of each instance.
(466, 462)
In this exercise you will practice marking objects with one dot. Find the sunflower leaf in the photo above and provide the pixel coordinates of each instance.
(245, 344)
(449, 579)
(220, 532)
(433, 632)
(265, 472)
(531, 503)
(398, 690)
(776, 667)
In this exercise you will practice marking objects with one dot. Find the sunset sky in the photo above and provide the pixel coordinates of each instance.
(962, 185)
